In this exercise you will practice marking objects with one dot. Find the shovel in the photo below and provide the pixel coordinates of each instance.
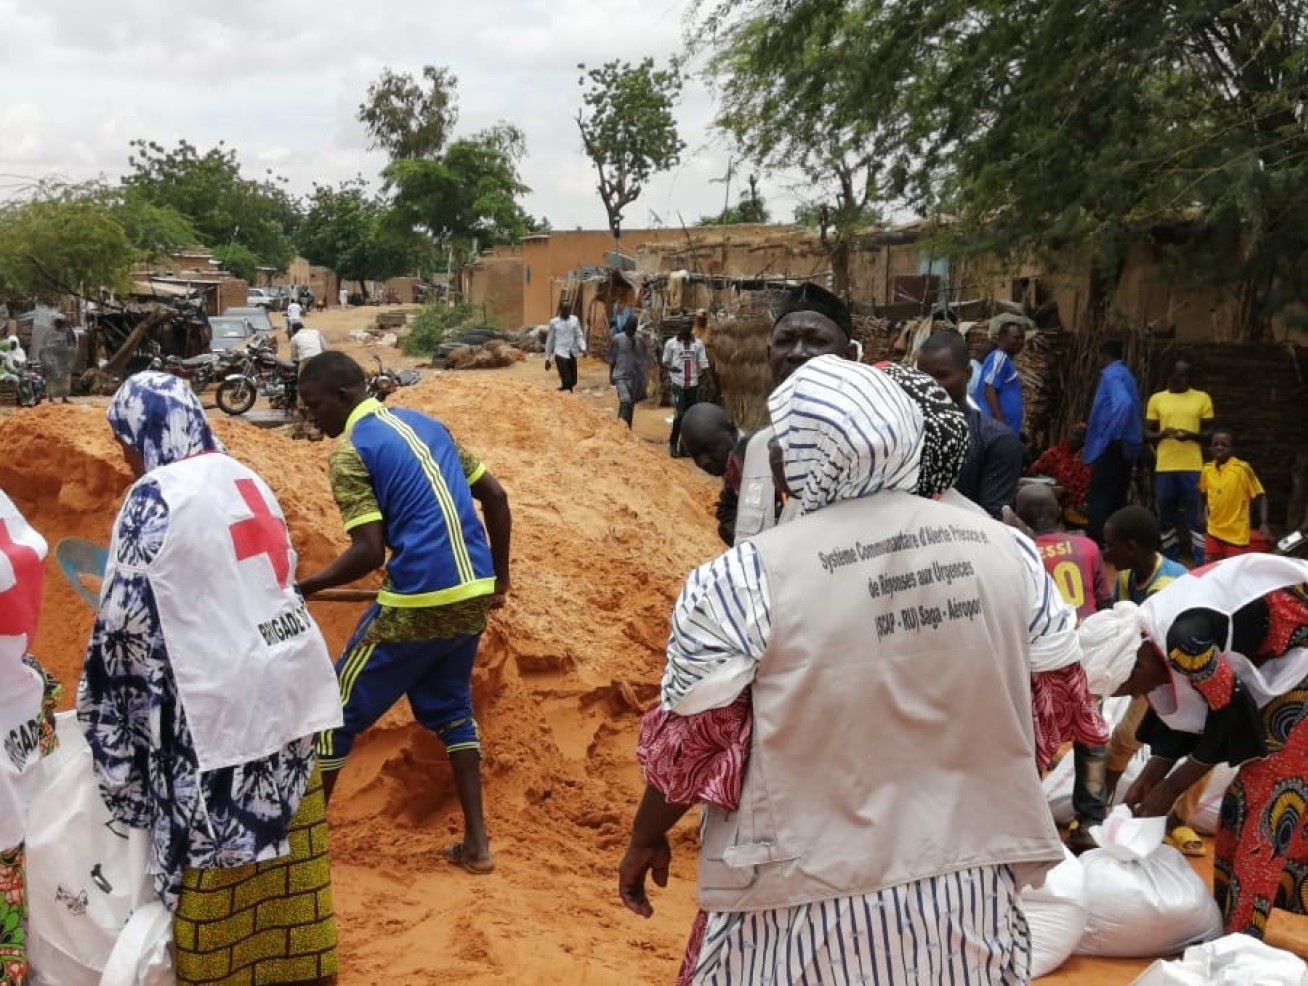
(84, 562)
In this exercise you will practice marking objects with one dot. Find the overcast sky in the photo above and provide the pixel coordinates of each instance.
(280, 80)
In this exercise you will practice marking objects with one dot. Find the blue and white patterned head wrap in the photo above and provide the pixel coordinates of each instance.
(158, 415)
(846, 431)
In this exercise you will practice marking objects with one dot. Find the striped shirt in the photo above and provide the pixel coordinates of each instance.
(957, 929)
(685, 361)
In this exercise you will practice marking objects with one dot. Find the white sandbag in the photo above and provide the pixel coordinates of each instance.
(1058, 783)
(87, 882)
(1109, 640)
(1236, 960)
(1208, 812)
(1056, 913)
(1144, 899)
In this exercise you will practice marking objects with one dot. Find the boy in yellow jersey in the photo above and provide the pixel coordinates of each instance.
(403, 484)
(1131, 545)
(1177, 421)
(1231, 491)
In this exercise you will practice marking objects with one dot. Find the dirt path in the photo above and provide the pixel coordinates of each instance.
(605, 531)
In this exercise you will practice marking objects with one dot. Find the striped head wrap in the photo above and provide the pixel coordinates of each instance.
(846, 431)
(945, 443)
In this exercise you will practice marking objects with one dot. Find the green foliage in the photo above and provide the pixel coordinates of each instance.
(239, 260)
(432, 325)
(408, 118)
(155, 231)
(467, 197)
(354, 233)
(750, 209)
(1039, 126)
(628, 130)
(62, 239)
(221, 205)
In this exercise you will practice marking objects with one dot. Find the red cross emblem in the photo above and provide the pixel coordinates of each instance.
(20, 604)
(263, 534)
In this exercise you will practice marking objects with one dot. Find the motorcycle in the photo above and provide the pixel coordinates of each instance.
(385, 382)
(259, 372)
(198, 371)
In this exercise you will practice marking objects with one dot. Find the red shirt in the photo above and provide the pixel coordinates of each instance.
(1074, 563)
(1065, 467)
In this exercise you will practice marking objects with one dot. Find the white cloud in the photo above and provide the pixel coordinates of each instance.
(280, 81)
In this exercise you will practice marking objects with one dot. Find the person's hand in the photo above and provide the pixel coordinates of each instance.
(1136, 793)
(1156, 803)
(636, 863)
(500, 596)
(547, 366)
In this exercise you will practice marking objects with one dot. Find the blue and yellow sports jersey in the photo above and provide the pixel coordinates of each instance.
(1165, 572)
(420, 484)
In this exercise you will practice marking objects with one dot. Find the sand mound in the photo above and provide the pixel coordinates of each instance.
(600, 550)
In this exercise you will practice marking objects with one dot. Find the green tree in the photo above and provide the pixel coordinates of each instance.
(62, 239)
(222, 206)
(751, 208)
(447, 196)
(356, 234)
(1038, 126)
(628, 130)
(240, 260)
(408, 118)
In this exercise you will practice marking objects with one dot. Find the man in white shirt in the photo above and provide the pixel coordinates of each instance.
(305, 343)
(344, 296)
(294, 316)
(685, 359)
(564, 341)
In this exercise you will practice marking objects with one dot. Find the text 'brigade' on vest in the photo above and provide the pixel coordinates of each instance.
(286, 625)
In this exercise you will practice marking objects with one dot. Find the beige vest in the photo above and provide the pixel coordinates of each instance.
(892, 712)
(756, 508)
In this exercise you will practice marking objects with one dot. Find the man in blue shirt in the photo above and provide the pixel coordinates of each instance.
(1000, 386)
(1113, 440)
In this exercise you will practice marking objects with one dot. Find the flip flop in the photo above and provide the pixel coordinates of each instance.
(453, 854)
(1187, 841)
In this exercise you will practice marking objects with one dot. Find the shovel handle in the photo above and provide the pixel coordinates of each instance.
(344, 596)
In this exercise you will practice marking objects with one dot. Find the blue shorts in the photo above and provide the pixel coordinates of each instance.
(436, 675)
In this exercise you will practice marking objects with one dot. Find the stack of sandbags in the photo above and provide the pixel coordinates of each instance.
(1143, 898)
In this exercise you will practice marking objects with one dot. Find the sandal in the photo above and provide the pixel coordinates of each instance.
(1187, 841)
(455, 856)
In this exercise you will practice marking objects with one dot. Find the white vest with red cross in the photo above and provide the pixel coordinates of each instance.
(252, 669)
(22, 557)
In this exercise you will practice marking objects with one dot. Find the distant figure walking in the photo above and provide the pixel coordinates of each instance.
(344, 296)
(627, 358)
(58, 353)
(686, 361)
(563, 344)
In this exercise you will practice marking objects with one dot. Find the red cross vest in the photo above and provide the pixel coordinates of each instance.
(22, 555)
(252, 669)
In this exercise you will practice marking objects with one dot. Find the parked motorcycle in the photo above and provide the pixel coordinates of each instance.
(385, 382)
(198, 371)
(259, 372)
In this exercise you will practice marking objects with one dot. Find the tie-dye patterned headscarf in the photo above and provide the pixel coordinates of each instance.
(158, 415)
(846, 431)
(944, 444)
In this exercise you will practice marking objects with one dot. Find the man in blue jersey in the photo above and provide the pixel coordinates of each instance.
(403, 484)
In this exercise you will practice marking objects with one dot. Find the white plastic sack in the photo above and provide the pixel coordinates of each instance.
(1056, 914)
(1236, 960)
(1109, 640)
(87, 882)
(1058, 782)
(1208, 812)
(1144, 899)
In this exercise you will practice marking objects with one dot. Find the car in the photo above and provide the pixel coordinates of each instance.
(266, 298)
(230, 331)
(257, 316)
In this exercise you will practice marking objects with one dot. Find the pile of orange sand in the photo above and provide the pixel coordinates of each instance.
(605, 529)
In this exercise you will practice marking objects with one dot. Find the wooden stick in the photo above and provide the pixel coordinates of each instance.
(345, 596)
